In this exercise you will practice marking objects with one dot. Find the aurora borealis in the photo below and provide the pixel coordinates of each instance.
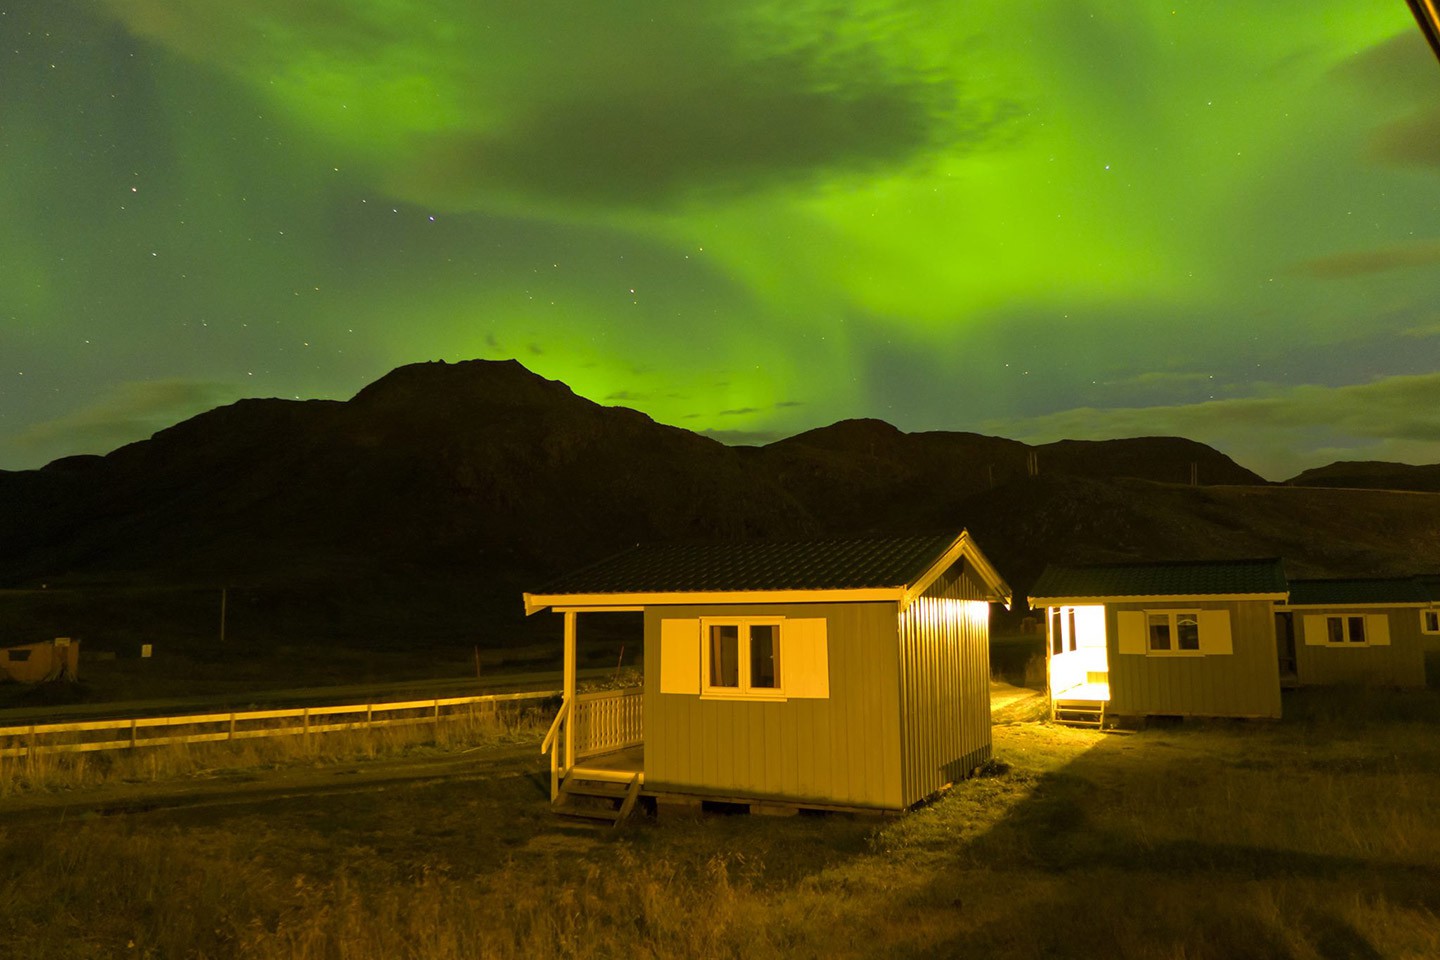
(747, 217)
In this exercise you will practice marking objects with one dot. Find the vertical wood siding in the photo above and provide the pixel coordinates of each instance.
(944, 686)
(1401, 664)
(1244, 683)
(841, 750)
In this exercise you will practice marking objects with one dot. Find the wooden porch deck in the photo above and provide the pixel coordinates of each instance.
(620, 766)
(1085, 691)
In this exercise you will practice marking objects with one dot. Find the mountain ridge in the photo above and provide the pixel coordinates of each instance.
(468, 482)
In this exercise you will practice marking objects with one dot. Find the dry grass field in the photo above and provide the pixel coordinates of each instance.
(1317, 837)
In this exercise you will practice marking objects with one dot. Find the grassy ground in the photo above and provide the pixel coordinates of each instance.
(1315, 837)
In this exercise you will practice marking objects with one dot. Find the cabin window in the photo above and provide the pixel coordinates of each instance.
(1174, 632)
(742, 658)
(1342, 630)
(1352, 630)
(1430, 621)
(17, 656)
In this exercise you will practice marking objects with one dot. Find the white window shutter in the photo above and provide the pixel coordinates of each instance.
(1377, 629)
(1215, 632)
(805, 659)
(680, 656)
(1316, 634)
(1130, 624)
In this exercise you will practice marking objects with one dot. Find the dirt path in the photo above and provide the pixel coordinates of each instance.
(227, 787)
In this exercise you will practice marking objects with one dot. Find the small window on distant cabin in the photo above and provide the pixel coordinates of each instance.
(1430, 621)
(765, 655)
(1172, 631)
(1343, 630)
(1187, 631)
(742, 657)
(725, 655)
(1159, 631)
(18, 656)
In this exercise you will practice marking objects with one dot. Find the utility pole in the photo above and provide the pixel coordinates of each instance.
(223, 598)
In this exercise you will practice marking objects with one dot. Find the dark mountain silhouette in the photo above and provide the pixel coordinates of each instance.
(1372, 475)
(426, 503)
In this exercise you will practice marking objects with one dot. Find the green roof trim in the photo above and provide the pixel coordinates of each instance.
(1197, 578)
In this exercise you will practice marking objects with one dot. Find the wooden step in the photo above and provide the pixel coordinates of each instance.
(1080, 713)
(597, 799)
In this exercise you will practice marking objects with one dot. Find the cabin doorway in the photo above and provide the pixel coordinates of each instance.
(1285, 647)
(1079, 663)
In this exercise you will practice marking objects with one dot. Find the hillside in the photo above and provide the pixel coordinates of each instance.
(422, 507)
(1372, 474)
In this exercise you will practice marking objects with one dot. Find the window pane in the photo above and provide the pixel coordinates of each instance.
(1187, 632)
(724, 655)
(1072, 628)
(1432, 622)
(1335, 629)
(1057, 639)
(1357, 629)
(1159, 631)
(764, 655)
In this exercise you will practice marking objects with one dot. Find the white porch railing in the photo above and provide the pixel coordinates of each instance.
(608, 721)
(593, 724)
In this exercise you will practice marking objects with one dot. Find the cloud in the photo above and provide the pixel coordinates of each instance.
(636, 104)
(1278, 431)
(125, 413)
(1361, 262)
(1411, 141)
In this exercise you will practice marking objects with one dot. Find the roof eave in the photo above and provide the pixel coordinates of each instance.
(535, 602)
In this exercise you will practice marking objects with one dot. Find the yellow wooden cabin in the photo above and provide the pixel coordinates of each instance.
(1190, 639)
(831, 674)
(43, 662)
(1360, 630)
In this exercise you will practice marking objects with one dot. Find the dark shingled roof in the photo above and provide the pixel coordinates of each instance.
(1183, 579)
(744, 566)
(1359, 590)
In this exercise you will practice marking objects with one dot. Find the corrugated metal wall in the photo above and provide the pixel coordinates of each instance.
(944, 686)
(840, 750)
(1400, 664)
(1245, 683)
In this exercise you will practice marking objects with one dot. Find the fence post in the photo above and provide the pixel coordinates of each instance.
(232, 725)
(305, 727)
(133, 735)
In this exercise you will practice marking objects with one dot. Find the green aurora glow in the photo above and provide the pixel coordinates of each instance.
(751, 218)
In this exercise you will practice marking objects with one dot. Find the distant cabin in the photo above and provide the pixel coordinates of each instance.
(830, 674)
(1189, 639)
(1361, 631)
(42, 662)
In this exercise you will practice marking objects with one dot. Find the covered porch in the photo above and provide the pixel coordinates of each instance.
(1079, 670)
(596, 744)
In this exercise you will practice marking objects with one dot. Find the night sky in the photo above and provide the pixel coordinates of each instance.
(1063, 219)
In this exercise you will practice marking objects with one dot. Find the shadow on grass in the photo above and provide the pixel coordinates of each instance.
(1089, 881)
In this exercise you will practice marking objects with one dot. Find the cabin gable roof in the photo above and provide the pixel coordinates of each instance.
(891, 568)
(1359, 591)
(1257, 579)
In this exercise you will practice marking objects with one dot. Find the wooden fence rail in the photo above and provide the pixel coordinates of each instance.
(88, 735)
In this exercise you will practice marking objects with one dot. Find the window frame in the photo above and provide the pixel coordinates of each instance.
(1346, 623)
(1173, 619)
(1427, 617)
(744, 690)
